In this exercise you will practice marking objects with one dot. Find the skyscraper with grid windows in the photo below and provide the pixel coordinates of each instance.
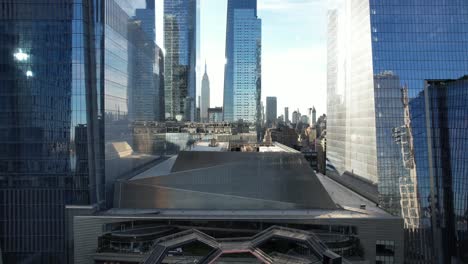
(394, 68)
(180, 43)
(69, 70)
(242, 76)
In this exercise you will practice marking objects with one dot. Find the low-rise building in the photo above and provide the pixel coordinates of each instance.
(284, 135)
(207, 206)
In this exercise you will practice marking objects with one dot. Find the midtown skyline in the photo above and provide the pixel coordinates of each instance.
(82, 134)
(302, 48)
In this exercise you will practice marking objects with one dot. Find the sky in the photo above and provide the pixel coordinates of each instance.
(293, 50)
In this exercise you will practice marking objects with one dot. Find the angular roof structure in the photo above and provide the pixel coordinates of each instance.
(228, 181)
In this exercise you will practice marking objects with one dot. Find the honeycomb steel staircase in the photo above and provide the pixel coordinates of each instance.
(252, 246)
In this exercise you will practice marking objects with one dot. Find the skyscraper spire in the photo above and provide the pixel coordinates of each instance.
(205, 96)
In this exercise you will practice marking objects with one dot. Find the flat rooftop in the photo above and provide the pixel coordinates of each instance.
(345, 213)
(205, 146)
(347, 198)
(277, 147)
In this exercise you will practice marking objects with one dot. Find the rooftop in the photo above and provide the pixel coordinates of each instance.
(226, 180)
(223, 184)
(277, 147)
(205, 146)
(349, 207)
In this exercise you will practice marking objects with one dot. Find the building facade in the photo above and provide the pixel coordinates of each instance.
(312, 116)
(382, 58)
(285, 135)
(180, 43)
(242, 76)
(296, 116)
(215, 115)
(241, 212)
(271, 110)
(69, 71)
(286, 115)
(436, 128)
(262, 113)
(205, 97)
(146, 100)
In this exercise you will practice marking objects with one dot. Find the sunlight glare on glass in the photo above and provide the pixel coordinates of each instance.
(21, 56)
(29, 74)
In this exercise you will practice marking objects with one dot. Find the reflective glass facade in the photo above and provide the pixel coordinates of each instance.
(43, 125)
(439, 118)
(129, 66)
(242, 77)
(65, 126)
(147, 99)
(180, 43)
(390, 122)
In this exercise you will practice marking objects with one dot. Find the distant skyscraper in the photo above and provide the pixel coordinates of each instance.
(281, 118)
(286, 115)
(180, 42)
(296, 116)
(382, 90)
(312, 116)
(197, 116)
(215, 115)
(271, 110)
(68, 80)
(263, 118)
(242, 77)
(189, 104)
(205, 97)
(160, 91)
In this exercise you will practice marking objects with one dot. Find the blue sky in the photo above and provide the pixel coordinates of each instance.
(293, 50)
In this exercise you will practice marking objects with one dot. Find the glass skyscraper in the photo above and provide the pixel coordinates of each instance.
(147, 97)
(439, 120)
(242, 76)
(395, 115)
(68, 72)
(180, 43)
